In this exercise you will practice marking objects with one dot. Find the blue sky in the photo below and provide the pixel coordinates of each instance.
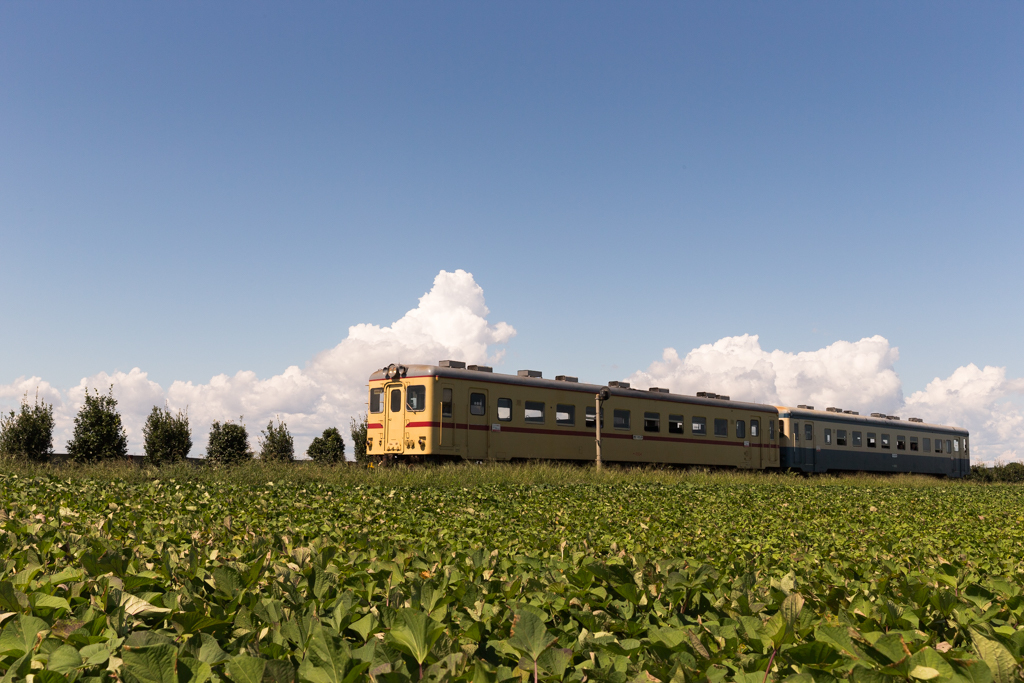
(203, 188)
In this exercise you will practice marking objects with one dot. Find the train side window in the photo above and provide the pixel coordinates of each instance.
(885, 441)
(396, 400)
(591, 412)
(948, 449)
(965, 445)
(675, 424)
(755, 427)
(376, 400)
(926, 445)
(446, 403)
(771, 429)
(913, 443)
(505, 409)
(956, 445)
(857, 443)
(796, 432)
(808, 431)
(416, 398)
(871, 440)
(652, 422)
(477, 404)
(534, 411)
(828, 436)
(901, 442)
(721, 427)
(699, 426)
(621, 419)
(840, 437)
(741, 429)
(565, 415)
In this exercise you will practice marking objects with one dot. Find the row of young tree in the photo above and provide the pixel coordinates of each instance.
(167, 437)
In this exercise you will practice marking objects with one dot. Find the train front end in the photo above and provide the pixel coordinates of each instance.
(401, 424)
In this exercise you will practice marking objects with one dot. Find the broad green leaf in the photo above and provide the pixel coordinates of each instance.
(414, 633)
(1000, 661)
(246, 669)
(150, 663)
(529, 635)
(22, 635)
(64, 659)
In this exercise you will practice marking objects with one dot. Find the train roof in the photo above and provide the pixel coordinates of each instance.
(488, 377)
(866, 420)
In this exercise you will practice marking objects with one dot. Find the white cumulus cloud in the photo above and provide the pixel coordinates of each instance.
(449, 322)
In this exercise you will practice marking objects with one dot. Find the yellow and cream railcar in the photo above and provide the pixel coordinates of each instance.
(450, 411)
(836, 440)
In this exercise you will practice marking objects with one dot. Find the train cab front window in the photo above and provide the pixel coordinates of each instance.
(652, 422)
(416, 398)
(675, 424)
(477, 404)
(591, 417)
(376, 400)
(396, 400)
(446, 402)
(755, 428)
(741, 429)
(505, 409)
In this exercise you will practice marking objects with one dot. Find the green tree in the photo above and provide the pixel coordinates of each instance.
(358, 431)
(29, 433)
(167, 437)
(327, 449)
(99, 433)
(228, 443)
(276, 443)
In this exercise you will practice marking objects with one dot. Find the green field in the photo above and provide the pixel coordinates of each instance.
(501, 573)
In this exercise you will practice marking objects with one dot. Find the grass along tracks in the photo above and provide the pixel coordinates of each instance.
(506, 573)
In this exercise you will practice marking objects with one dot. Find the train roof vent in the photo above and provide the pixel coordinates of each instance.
(620, 385)
(480, 368)
(892, 417)
(851, 412)
(529, 373)
(659, 390)
(806, 407)
(707, 394)
(882, 415)
(566, 378)
(457, 364)
(830, 409)
(723, 398)
(914, 419)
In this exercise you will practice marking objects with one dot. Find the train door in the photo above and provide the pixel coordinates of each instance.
(478, 428)
(394, 419)
(755, 442)
(809, 444)
(446, 423)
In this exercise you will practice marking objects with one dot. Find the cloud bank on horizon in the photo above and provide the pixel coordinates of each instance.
(450, 321)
